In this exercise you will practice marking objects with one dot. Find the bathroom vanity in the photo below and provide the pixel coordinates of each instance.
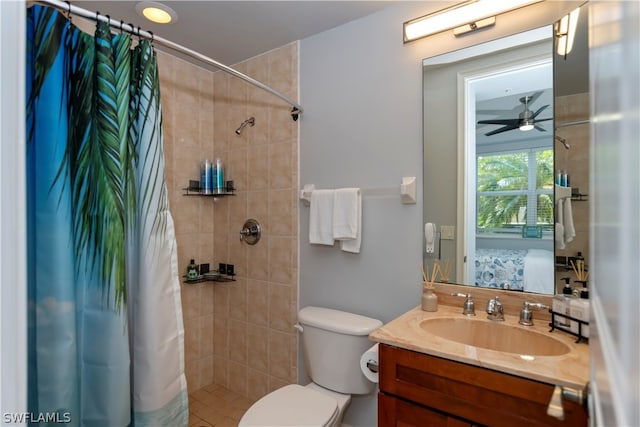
(434, 373)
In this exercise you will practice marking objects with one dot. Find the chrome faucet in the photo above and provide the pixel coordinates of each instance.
(526, 315)
(468, 309)
(494, 310)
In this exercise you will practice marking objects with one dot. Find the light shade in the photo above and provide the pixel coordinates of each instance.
(468, 13)
(526, 126)
(156, 12)
(566, 32)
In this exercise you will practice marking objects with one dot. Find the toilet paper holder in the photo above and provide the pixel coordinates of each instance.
(372, 365)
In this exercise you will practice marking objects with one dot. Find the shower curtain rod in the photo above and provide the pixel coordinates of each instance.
(64, 6)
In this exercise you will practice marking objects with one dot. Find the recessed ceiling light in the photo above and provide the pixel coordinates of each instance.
(156, 12)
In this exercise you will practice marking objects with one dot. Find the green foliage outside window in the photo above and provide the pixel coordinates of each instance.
(507, 192)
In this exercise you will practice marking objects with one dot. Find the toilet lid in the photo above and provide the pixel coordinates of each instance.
(291, 405)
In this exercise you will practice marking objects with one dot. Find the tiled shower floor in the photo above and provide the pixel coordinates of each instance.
(214, 405)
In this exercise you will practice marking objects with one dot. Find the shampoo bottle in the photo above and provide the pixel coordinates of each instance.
(219, 184)
(205, 177)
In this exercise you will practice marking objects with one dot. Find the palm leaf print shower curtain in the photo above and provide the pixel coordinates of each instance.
(106, 337)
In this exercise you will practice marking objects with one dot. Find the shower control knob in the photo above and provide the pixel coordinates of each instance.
(251, 232)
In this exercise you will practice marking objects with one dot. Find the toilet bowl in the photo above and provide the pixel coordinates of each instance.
(296, 405)
(333, 342)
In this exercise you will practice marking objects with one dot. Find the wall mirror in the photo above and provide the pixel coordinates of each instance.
(500, 120)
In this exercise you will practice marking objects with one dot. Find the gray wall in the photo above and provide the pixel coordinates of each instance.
(361, 90)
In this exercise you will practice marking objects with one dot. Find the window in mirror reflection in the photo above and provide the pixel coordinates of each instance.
(515, 191)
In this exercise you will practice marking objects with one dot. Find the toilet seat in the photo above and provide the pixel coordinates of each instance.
(292, 405)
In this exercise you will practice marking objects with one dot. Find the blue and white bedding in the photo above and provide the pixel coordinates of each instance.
(523, 270)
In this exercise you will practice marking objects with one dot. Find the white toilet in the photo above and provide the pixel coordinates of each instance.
(332, 343)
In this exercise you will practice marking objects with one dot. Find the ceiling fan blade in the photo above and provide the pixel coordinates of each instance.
(534, 96)
(539, 111)
(507, 122)
(500, 130)
(542, 120)
(541, 129)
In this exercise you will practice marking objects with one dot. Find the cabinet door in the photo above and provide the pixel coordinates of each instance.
(468, 392)
(393, 412)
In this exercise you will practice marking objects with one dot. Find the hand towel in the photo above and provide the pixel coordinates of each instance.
(345, 213)
(559, 234)
(569, 229)
(321, 217)
(348, 216)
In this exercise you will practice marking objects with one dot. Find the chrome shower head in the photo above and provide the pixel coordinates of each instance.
(250, 121)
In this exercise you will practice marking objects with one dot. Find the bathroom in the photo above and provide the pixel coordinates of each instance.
(360, 87)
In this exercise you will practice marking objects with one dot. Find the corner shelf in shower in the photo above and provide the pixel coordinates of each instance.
(203, 279)
(194, 190)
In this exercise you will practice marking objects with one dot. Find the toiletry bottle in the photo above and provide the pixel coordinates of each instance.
(192, 270)
(429, 299)
(580, 262)
(579, 308)
(219, 176)
(561, 305)
(205, 177)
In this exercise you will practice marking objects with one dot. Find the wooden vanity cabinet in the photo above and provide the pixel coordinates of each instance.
(421, 390)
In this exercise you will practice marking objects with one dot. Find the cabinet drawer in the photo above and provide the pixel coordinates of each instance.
(394, 412)
(468, 392)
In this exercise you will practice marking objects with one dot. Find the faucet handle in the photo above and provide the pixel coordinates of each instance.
(526, 315)
(495, 311)
(469, 308)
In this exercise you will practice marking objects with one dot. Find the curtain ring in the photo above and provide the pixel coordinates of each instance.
(121, 25)
(151, 32)
(68, 9)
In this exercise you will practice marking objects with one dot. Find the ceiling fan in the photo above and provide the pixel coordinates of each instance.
(526, 119)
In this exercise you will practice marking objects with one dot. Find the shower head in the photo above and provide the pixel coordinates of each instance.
(250, 121)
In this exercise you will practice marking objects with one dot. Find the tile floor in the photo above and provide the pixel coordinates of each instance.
(216, 406)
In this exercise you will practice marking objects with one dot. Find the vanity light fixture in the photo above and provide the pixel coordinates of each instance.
(156, 12)
(463, 18)
(566, 32)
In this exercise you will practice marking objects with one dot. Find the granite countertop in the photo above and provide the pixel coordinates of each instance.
(570, 369)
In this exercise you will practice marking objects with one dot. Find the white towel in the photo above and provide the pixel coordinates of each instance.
(569, 229)
(559, 236)
(321, 217)
(347, 219)
(345, 213)
(560, 243)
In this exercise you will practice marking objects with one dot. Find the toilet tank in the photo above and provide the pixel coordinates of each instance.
(332, 343)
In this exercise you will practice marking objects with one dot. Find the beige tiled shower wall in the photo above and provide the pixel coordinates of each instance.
(240, 334)
(568, 109)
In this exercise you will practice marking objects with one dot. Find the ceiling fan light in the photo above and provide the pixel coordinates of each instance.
(526, 126)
